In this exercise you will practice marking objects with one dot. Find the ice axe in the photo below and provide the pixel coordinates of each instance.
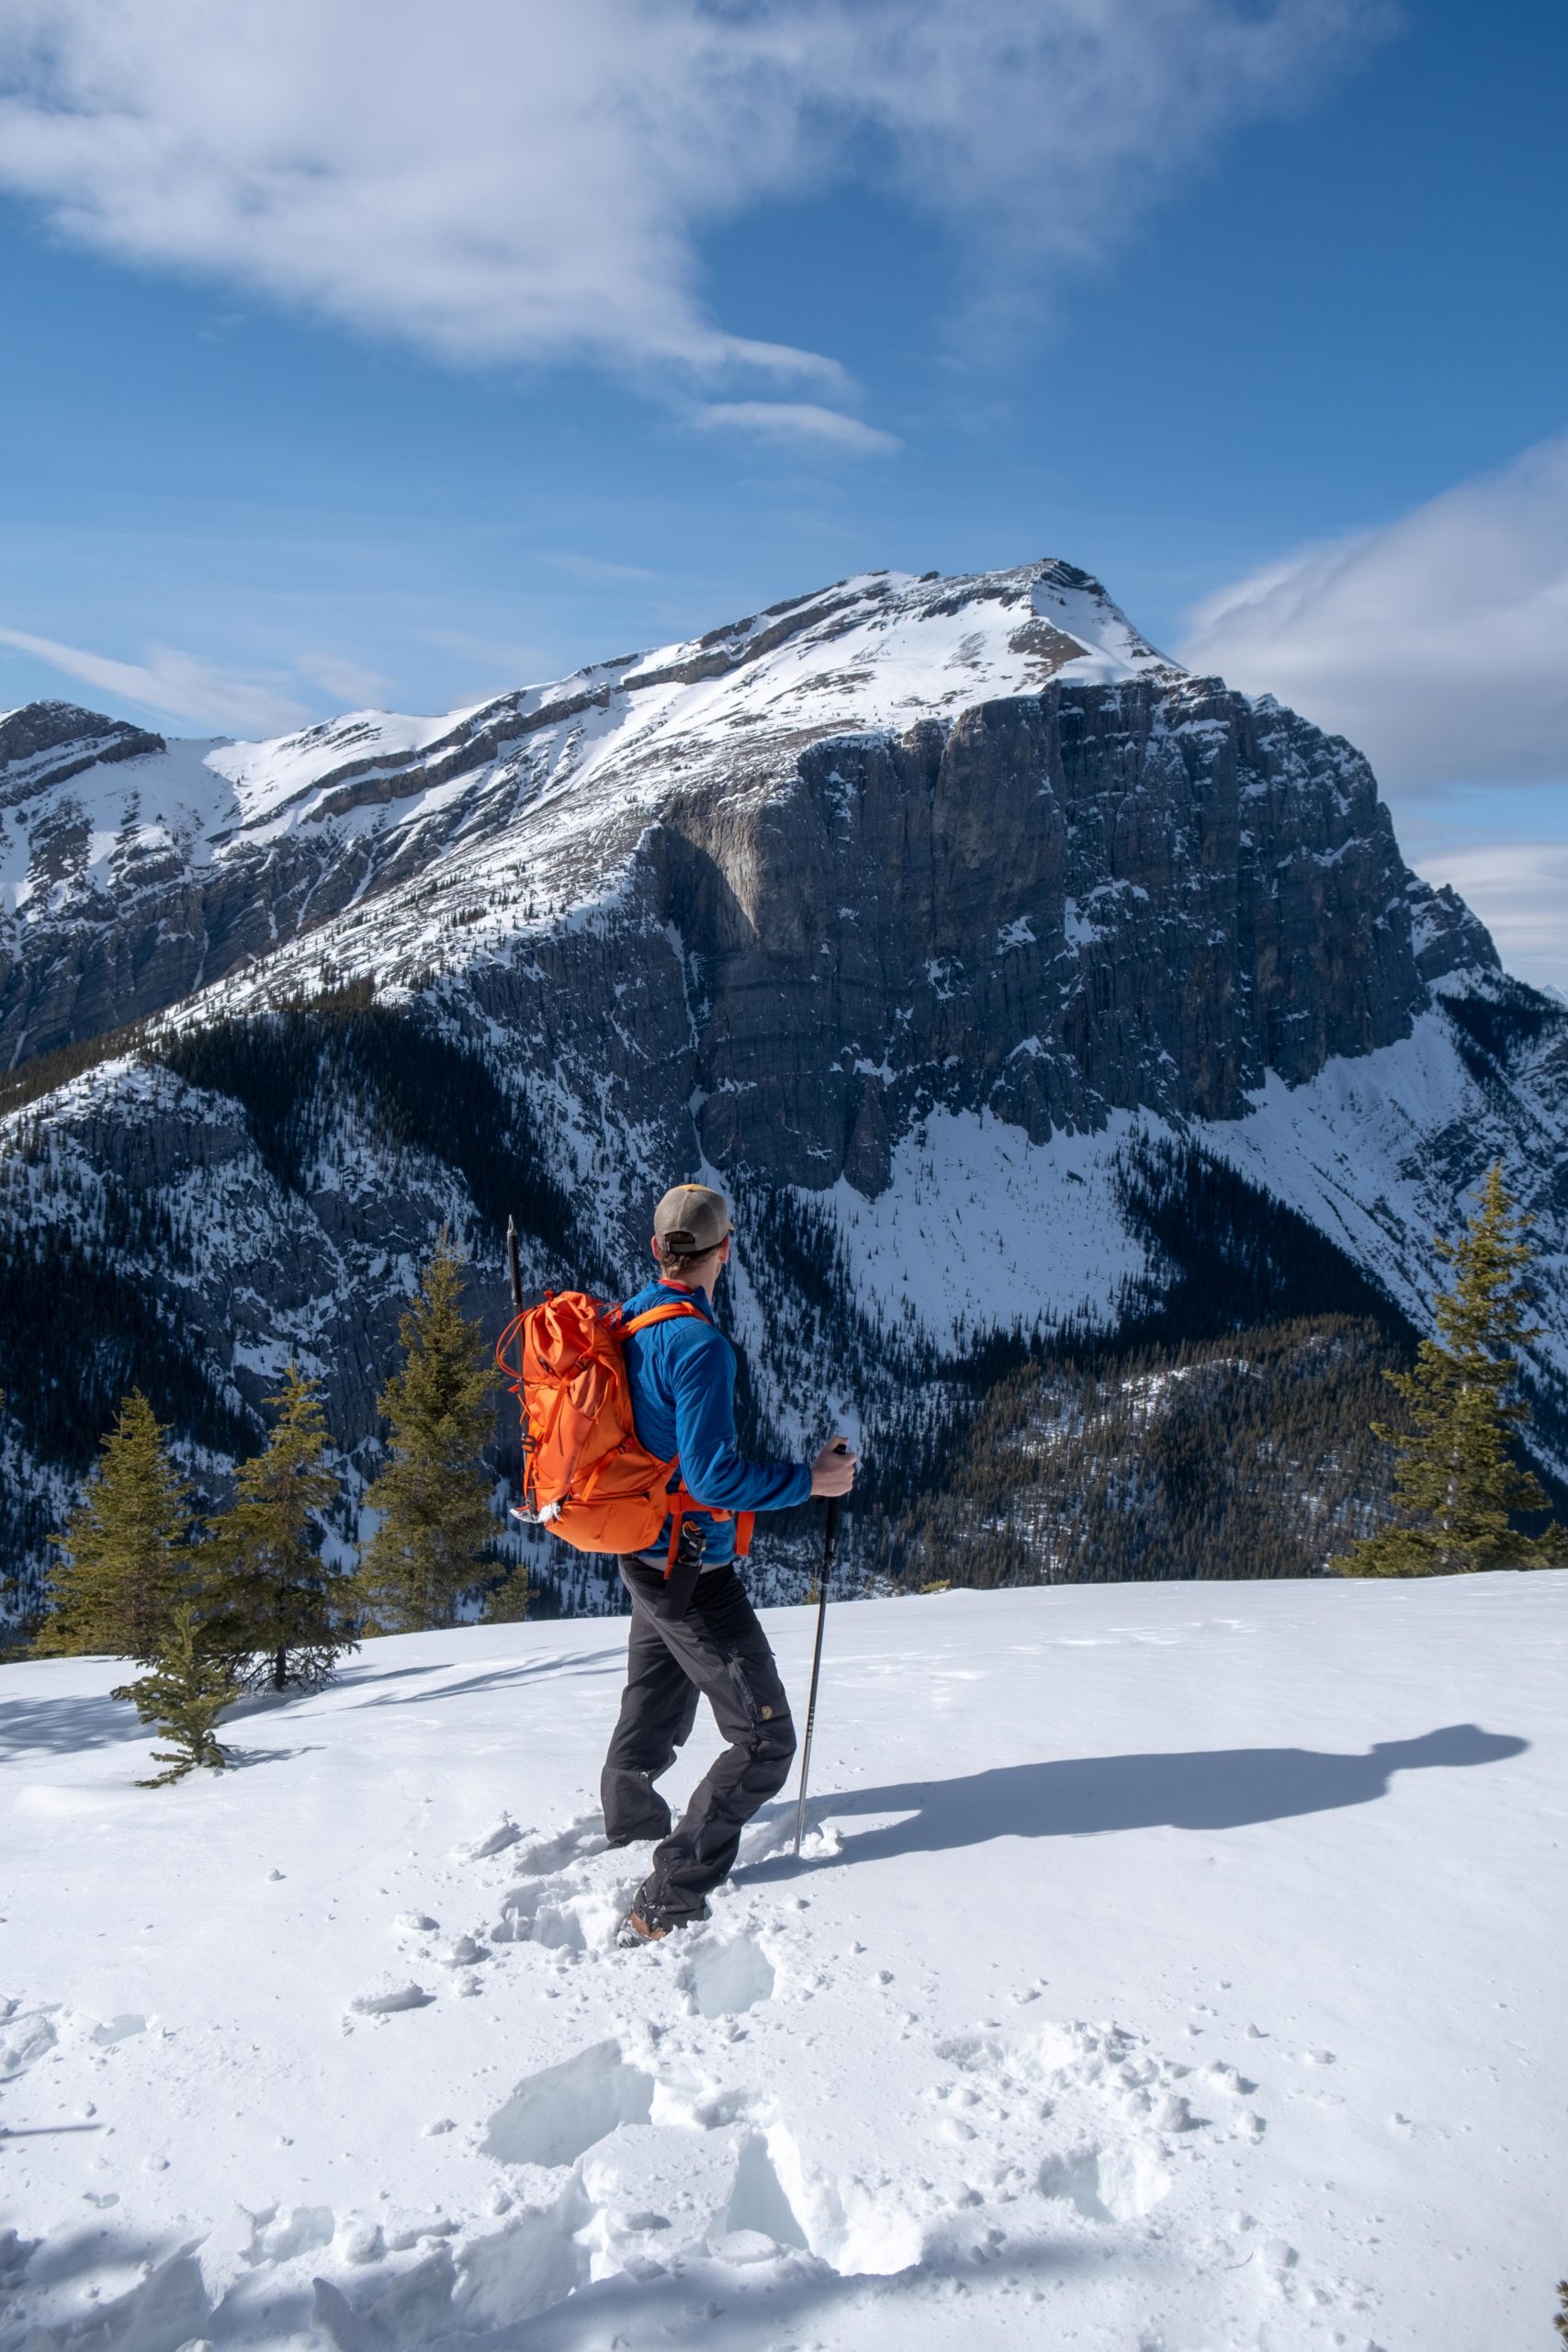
(830, 1528)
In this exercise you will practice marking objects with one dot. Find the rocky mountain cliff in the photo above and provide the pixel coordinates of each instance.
(1012, 980)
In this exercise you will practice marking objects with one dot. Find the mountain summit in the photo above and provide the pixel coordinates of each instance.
(945, 922)
(257, 840)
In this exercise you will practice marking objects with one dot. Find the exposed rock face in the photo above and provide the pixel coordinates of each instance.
(905, 909)
(1097, 897)
(46, 744)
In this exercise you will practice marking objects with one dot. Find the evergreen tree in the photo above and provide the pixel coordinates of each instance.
(507, 1602)
(1455, 1480)
(190, 1685)
(280, 1612)
(432, 1496)
(126, 1547)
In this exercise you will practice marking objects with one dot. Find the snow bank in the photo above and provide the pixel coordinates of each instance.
(1168, 1966)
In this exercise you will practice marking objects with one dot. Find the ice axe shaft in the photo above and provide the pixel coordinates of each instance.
(829, 1531)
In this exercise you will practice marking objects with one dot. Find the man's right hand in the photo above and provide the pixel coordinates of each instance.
(833, 1472)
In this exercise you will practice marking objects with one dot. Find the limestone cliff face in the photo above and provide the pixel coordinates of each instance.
(908, 911)
(1142, 895)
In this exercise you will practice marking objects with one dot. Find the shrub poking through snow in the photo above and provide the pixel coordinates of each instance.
(126, 1548)
(432, 1496)
(280, 1614)
(1456, 1483)
(190, 1684)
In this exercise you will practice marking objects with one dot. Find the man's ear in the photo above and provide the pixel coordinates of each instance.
(653, 1245)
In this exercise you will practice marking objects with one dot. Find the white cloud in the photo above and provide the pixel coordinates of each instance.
(173, 685)
(1520, 890)
(798, 421)
(1437, 643)
(347, 680)
(511, 179)
(509, 661)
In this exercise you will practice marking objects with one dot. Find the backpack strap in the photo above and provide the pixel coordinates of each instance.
(661, 1315)
(681, 1500)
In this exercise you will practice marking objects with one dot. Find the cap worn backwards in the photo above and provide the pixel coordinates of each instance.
(690, 1219)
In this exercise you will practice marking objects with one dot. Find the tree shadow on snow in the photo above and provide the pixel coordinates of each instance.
(245, 1760)
(1088, 1796)
(56, 1725)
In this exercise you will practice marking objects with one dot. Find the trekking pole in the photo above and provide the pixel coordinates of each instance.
(512, 1268)
(829, 1531)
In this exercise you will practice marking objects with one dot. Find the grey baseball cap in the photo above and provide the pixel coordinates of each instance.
(690, 1219)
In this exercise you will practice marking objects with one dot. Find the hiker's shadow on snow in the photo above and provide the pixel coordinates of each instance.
(1213, 1789)
(497, 1678)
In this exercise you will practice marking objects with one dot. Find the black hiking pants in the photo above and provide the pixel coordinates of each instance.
(716, 1651)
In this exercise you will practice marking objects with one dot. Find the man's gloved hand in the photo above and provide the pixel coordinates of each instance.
(833, 1472)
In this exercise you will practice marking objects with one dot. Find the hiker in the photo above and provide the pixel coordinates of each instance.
(693, 1630)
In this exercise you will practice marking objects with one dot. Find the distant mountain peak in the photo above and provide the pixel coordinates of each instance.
(45, 743)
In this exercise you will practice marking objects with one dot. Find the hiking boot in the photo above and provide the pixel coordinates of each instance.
(637, 1928)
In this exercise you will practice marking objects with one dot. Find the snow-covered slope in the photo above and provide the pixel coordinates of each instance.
(1168, 1967)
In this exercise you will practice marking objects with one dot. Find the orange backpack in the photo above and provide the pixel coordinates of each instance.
(586, 1476)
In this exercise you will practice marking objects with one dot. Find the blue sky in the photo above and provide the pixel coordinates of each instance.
(364, 363)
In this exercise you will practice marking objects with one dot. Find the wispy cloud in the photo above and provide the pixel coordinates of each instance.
(1519, 889)
(509, 179)
(1435, 643)
(346, 681)
(173, 685)
(513, 664)
(798, 421)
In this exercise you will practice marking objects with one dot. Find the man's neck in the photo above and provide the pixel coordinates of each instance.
(708, 1285)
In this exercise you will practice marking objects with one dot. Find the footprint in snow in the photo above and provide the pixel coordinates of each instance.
(580, 1841)
(386, 1997)
(24, 2039)
(495, 1840)
(722, 1980)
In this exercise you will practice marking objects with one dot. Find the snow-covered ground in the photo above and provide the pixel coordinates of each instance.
(1171, 1969)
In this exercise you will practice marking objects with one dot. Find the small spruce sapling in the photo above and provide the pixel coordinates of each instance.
(1456, 1483)
(433, 1497)
(126, 1548)
(507, 1602)
(187, 1690)
(280, 1612)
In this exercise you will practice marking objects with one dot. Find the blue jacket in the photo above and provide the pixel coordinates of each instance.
(681, 1376)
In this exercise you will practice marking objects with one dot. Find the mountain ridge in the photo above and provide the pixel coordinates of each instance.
(911, 911)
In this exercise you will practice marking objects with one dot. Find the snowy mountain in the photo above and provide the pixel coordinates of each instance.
(1168, 1966)
(945, 922)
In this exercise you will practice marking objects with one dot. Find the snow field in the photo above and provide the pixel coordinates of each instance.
(1168, 1967)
